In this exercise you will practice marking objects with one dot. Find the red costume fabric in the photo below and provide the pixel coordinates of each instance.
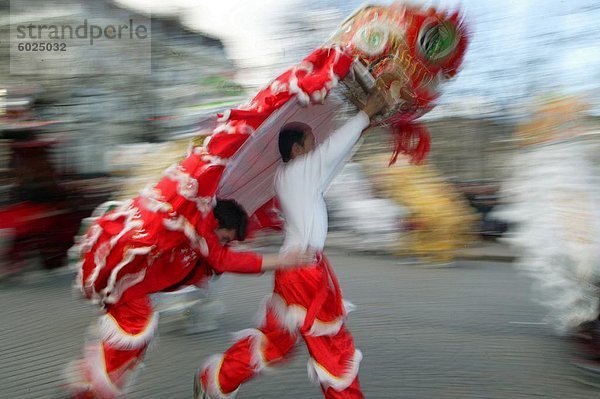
(164, 238)
(136, 250)
(306, 302)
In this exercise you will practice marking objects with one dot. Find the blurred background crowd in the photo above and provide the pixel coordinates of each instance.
(77, 138)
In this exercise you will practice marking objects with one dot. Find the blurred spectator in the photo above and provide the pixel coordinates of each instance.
(553, 205)
(376, 223)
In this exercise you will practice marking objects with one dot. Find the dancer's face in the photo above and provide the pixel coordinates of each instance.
(225, 235)
(308, 145)
(309, 141)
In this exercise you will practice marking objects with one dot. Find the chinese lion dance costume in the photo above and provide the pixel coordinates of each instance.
(406, 49)
(411, 50)
(552, 204)
(440, 221)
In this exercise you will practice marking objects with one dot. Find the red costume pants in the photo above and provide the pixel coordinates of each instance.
(107, 369)
(306, 303)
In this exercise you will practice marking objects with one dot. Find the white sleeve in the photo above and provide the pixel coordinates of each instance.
(324, 161)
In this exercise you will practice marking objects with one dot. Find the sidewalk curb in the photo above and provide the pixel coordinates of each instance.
(487, 257)
(488, 252)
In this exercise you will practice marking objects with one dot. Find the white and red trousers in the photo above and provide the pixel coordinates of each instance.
(306, 303)
(110, 361)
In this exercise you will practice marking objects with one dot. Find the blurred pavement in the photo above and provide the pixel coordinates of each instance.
(469, 331)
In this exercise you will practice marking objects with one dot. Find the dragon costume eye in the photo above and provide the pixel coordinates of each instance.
(437, 40)
(371, 39)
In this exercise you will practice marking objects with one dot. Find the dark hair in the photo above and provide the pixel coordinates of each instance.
(231, 215)
(288, 136)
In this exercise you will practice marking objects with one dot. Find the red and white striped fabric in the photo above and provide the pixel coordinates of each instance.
(120, 244)
(165, 236)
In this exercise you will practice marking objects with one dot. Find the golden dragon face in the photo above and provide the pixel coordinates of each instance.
(410, 49)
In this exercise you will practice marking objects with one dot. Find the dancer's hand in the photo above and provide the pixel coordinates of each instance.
(291, 259)
(375, 102)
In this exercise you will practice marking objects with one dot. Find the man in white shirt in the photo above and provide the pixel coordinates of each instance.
(306, 301)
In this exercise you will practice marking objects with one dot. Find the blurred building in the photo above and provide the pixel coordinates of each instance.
(191, 76)
(473, 142)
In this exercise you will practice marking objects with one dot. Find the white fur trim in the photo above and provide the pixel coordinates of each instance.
(212, 366)
(348, 306)
(246, 129)
(318, 374)
(278, 87)
(291, 317)
(318, 96)
(182, 224)
(214, 160)
(258, 338)
(338, 53)
(227, 128)
(102, 252)
(103, 207)
(187, 187)
(83, 244)
(200, 151)
(90, 239)
(99, 379)
(305, 66)
(78, 285)
(75, 378)
(125, 282)
(129, 255)
(126, 210)
(249, 106)
(320, 328)
(333, 80)
(225, 116)
(86, 241)
(152, 200)
(100, 256)
(303, 98)
(114, 335)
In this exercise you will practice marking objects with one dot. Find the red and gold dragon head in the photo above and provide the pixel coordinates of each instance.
(409, 48)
